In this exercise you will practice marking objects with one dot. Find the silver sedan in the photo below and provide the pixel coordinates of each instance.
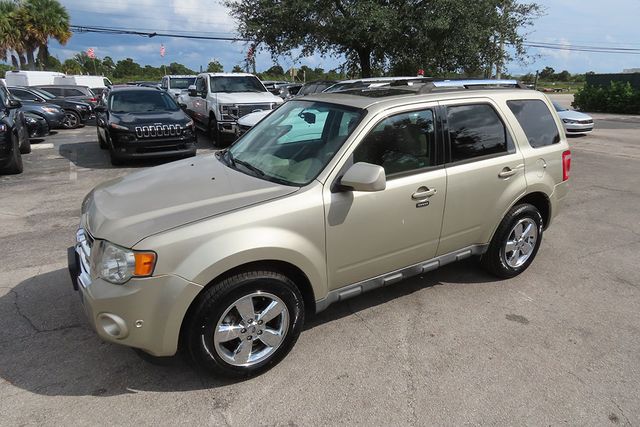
(574, 122)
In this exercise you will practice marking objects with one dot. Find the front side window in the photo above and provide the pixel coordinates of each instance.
(475, 131)
(401, 143)
(536, 121)
(200, 86)
(137, 101)
(293, 144)
(23, 95)
(54, 90)
(236, 84)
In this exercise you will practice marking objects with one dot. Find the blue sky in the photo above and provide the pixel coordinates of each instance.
(592, 22)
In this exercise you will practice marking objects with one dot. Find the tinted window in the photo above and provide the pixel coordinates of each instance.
(536, 121)
(401, 143)
(141, 102)
(54, 90)
(180, 82)
(74, 92)
(474, 131)
(23, 95)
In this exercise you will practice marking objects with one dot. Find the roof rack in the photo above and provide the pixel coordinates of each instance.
(469, 84)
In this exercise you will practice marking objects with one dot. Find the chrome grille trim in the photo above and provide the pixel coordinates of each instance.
(158, 130)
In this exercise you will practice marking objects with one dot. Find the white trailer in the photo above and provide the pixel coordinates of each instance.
(89, 81)
(31, 78)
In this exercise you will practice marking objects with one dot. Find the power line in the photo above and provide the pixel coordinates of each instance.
(150, 34)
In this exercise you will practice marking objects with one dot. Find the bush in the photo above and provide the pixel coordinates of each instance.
(618, 97)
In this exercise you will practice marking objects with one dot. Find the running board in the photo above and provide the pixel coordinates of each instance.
(356, 289)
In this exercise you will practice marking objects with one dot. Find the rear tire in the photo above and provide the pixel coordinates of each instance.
(244, 324)
(15, 164)
(515, 243)
(71, 120)
(25, 147)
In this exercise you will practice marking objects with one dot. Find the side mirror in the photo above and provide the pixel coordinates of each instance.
(192, 90)
(364, 177)
(13, 104)
(100, 109)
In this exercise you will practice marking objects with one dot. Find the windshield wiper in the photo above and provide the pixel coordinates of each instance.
(248, 166)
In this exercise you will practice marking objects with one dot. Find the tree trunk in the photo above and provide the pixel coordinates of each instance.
(23, 61)
(365, 62)
(43, 56)
(31, 60)
(15, 62)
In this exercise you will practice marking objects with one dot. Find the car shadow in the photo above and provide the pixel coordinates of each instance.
(47, 346)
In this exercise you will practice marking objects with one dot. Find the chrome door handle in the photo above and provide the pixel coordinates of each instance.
(423, 193)
(507, 172)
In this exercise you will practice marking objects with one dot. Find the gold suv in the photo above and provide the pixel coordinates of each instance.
(224, 256)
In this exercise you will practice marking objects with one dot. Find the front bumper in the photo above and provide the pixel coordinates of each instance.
(144, 313)
(54, 120)
(153, 148)
(572, 128)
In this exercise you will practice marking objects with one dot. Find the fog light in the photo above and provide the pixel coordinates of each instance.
(112, 325)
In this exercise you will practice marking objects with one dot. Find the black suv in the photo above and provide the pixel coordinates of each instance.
(14, 136)
(76, 113)
(140, 122)
(71, 92)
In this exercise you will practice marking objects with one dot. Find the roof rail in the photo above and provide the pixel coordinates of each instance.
(469, 84)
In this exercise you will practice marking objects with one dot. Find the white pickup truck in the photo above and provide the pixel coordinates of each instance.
(218, 100)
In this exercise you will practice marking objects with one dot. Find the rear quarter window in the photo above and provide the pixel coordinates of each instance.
(536, 121)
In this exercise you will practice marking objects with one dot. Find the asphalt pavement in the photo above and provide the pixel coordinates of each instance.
(559, 344)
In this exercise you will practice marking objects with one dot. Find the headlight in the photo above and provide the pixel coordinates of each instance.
(117, 265)
(189, 124)
(229, 112)
(118, 127)
(3, 127)
(569, 121)
(51, 110)
(30, 120)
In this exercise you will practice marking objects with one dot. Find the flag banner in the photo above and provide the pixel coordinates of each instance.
(91, 53)
(162, 50)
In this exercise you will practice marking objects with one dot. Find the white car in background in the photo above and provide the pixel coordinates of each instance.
(574, 122)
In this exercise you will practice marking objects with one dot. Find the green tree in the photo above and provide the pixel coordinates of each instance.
(176, 68)
(71, 66)
(40, 20)
(108, 65)
(563, 76)
(444, 35)
(127, 68)
(237, 69)
(275, 70)
(11, 35)
(547, 73)
(215, 67)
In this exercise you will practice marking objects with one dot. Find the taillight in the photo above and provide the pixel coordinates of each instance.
(93, 99)
(566, 165)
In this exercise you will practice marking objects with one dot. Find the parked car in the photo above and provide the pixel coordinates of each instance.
(574, 122)
(316, 86)
(53, 114)
(287, 91)
(140, 122)
(14, 138)
(218, 100)
(36, 125)
(177, 85)
(71, 93)
(272, 84)
(330, 196)
(76, 113)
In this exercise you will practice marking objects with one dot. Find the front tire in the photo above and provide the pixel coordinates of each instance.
(25, 147)
(214, 133)
(15, 163)
(245, 324)
(515, 243)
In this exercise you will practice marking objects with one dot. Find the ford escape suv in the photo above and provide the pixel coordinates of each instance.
(224, 256)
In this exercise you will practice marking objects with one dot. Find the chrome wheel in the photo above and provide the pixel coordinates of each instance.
(70, 120)
(521, 242)
(251, 329)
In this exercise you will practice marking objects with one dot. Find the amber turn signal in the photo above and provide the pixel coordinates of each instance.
(145, 262)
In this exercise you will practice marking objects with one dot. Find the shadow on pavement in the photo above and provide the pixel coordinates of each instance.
(47, 347)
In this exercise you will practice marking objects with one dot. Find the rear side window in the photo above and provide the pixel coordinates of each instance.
(536, 121)
(74, 92)
(475, 131)
(54, 90)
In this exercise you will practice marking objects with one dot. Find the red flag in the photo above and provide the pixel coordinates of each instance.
(91, 53)
(162, 50)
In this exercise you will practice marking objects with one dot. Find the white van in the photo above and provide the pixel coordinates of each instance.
(79, 80)
(31, 78)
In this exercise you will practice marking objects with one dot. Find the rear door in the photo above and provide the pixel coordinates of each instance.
(485, 172)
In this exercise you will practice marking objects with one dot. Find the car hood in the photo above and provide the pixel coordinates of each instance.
(573, 115)
(152, 117)
(247, 98)
(128, 209)
(252, 119)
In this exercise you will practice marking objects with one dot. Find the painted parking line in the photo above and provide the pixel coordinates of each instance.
(41, 146)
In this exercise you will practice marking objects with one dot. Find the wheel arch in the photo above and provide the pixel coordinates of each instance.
(541, 202)
(288, 269)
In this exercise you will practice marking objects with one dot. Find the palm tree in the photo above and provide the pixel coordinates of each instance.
(41, 20)
(11, 37)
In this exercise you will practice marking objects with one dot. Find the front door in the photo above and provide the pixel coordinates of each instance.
(369, 234)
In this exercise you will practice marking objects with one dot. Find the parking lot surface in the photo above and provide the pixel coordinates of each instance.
(559, 344)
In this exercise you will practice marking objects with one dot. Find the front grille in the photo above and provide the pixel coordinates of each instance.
(585, 122)
(244, 109)
(158, 131)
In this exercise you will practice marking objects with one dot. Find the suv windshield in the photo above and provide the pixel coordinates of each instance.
(139, 101)
(182, 82)
(236, 84)
(293, 144)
